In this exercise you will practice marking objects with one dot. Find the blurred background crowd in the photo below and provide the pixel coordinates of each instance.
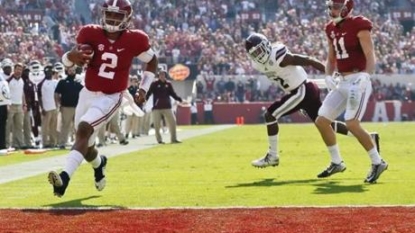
(208, 34)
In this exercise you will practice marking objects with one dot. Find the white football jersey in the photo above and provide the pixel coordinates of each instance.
(36, 77)
(288, 77)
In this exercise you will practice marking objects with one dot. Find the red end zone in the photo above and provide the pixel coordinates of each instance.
(281, 220)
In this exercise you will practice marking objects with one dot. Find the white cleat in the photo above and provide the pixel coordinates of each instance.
(266, 161)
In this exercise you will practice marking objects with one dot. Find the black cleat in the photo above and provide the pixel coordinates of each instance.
(59, 182)
(333, 168)
(124, 142)
(99, 174)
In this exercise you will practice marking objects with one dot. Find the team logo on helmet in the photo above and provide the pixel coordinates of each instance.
(258, 47)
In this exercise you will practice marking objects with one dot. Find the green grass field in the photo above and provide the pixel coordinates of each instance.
(215, 171)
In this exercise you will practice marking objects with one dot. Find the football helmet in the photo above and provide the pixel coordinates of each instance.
(7, 62)
(58, 67)
(116, 15)
(35, 67)
(345, 7)
(258, 47)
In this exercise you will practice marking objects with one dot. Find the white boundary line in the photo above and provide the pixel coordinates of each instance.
(24, 170)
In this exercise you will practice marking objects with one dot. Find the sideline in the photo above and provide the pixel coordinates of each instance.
(28, 169)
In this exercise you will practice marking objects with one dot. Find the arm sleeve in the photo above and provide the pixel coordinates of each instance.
(82, 36)
(281, 51)
(143, 45)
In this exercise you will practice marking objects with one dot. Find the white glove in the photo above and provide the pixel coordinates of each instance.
(332, 81)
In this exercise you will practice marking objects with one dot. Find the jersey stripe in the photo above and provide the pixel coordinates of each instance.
(108, 115)
(280, 53)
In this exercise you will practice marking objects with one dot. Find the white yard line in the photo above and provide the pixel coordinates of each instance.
(28, 169)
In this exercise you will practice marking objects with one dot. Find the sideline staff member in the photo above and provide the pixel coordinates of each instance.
(162, 90)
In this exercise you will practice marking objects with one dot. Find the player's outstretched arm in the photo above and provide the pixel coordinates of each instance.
(302, 60)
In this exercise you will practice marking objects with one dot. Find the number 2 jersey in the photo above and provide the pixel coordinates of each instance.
(109, 69)
(343, 38)
(288, 77)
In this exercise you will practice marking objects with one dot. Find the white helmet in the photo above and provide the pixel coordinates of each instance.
(35, 66)
(258, 47)
(7, 62)
(58, 67)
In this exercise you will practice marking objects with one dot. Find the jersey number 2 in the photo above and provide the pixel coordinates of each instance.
(110, 61)
(340, 48)
(281, 82)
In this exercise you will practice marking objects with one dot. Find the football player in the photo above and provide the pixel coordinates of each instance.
(5, 72)
(36, 75)
(350, 53)
(59, 68)
(114, 47)
(286, 69)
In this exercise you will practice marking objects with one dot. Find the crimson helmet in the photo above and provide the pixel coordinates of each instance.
(258, 47)
(344, 6)
(116, 15)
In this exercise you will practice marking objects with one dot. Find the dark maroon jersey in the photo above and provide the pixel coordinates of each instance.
(109, 69)
(349, 53)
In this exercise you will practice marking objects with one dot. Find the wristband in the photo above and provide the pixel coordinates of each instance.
(66, 62)
(146, 80)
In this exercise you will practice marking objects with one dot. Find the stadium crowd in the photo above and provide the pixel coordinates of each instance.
(206, 33)
(209, 35)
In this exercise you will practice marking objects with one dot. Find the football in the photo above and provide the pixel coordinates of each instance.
(86, 48)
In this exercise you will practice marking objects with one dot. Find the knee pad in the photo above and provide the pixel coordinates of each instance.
(270, 119)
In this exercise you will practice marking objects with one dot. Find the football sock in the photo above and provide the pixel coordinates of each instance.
(273, 144)
(96, 162)
(73, 161)
(374, 156)
(335, 154)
